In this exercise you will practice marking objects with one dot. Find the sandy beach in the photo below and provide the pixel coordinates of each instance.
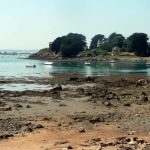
(98, 112)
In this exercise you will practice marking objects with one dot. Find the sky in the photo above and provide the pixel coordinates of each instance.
(32, 24)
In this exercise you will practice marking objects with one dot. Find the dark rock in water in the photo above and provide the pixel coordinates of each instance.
(38, 126)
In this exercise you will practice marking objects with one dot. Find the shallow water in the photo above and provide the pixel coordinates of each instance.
(11, 66)
(23, 87)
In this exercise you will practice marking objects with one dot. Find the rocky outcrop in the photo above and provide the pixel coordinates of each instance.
(45, 54)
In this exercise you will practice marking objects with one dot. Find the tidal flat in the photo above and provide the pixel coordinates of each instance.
(77, 112)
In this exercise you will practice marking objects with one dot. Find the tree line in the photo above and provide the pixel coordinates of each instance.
(73, 44)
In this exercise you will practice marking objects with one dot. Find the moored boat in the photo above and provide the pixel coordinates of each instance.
(31, 66)
(148, 63)
(112, 61)
(48, 63)
(87, 63)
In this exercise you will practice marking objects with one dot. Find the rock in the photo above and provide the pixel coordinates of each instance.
(26, 129)
(62, 105)
(28, 123)
(74, 78)
(46, 119)
(38, 126)
(6, 109)
(144, 99)
(127, 104)
(122, 140)
(81, 130)
(131, 132)
(70, 147)
(5, 136)
(107, 144)
(139, 141)
(80, 90)
(96, 119)
(107, 104)
(141, 82)
(126, 148)
(146, 147)
(94, 140)
(61, 142)
(57, 88)
(90, 79)
(144, 94)
(18, 106)
(28, 106)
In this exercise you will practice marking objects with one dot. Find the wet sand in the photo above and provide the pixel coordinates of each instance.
(107, 112)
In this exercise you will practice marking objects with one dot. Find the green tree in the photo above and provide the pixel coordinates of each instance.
(97, 40)
(138, 43)
(73, 44)
(116, 40)
(106, 45)
(56, 45)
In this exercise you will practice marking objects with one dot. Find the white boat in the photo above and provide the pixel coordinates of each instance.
(48, 63)
(147, 63)
(112, 61)
(31, 66)
(87, 63)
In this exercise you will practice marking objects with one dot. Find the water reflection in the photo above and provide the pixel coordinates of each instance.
(88, 70)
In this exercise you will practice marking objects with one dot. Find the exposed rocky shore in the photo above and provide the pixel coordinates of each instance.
(78, 113)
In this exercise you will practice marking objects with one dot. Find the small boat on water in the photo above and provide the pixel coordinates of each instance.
(148, 63)
(87, 63)
(31, 66)
(112, 61)
(48, 63)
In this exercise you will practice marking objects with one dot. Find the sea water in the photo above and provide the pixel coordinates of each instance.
(13, 65)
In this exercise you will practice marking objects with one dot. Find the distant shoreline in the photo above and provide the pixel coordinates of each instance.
(97, 58)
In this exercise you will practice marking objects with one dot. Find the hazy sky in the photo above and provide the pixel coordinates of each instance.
(31, 24)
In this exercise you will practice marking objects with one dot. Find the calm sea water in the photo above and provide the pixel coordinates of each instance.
(14, 66)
